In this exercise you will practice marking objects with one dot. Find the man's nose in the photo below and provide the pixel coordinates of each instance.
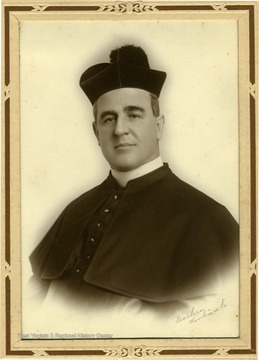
(121, 126)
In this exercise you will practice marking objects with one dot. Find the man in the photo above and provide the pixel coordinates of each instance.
(143, 233)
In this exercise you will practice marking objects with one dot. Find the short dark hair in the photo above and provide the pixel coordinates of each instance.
(154, 106)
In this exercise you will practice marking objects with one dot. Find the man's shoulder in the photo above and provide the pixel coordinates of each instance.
(189, 196)
(90, 195)
(195, 208)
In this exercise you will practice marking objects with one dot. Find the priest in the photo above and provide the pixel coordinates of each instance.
(143, 234)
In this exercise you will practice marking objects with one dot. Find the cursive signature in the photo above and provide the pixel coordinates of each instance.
(196, 315)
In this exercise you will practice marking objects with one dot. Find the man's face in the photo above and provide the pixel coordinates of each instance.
(126, 129)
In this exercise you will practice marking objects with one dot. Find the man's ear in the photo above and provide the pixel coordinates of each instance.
(160, 120)
(95, 129)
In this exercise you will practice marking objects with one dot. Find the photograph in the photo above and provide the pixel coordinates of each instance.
(129, 179)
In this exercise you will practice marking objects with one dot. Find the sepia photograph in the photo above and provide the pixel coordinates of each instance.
(131, 177)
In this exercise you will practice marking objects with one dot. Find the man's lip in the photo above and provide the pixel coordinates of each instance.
(123, 145)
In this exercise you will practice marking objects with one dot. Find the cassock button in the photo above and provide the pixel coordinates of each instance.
(106, 210)
(77, 270)
(115, 197)
(92, 240)
(99, 224)
(88, 257)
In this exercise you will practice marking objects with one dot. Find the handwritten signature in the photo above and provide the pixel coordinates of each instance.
(196, 315)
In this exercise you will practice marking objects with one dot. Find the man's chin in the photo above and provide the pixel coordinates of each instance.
(125, 166)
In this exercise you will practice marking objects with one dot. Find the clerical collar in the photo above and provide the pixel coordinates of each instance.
(124, 177)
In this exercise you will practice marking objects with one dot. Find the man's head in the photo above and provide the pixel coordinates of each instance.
(127, 129)
(124, 94)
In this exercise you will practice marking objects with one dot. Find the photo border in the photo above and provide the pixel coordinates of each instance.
(107, 348)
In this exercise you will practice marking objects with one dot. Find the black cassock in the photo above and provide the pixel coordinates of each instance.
(158, 240)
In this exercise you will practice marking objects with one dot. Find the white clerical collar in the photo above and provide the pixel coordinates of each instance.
(123, 177)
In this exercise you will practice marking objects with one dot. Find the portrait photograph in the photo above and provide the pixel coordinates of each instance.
(129, 179)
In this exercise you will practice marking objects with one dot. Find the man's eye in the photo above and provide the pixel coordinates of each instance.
(109, 120)
(134, 116)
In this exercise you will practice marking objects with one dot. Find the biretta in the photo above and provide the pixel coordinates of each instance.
(128, 68)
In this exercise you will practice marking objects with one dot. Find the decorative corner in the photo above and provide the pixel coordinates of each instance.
(127, 7)
(39, 8)
(219, 7)
(7, 269)
(7, 92)
(252, 269)
(221, 352)
(252, 90)
(132, 352)
(39, 352)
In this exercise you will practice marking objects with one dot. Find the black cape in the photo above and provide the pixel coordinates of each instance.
(166, 241)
